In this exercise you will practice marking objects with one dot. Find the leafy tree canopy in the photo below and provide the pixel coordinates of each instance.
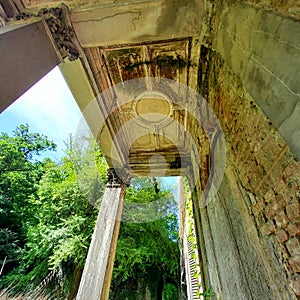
(19, 177)
(62, 222)
(47, 216)
(147, 253)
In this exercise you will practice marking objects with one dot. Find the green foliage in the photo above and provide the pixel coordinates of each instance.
(48, 212)
(57, 219)
(65, 222)
(209, 293)
(89, 165)
(170, 292)
(30, 144)
(9, 246)
(147, 252)
(19, 177)
(191, 237)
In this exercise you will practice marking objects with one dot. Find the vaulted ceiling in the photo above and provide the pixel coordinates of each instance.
(139, 81)
(142, 110)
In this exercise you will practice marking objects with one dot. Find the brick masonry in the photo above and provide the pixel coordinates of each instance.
(264, 164)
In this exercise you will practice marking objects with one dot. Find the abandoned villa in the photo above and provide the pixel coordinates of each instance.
(208, 90)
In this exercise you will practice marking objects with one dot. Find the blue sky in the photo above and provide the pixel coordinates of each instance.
(48, 108)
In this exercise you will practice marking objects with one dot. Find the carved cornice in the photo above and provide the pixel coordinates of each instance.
(61, 29)
(117, 178)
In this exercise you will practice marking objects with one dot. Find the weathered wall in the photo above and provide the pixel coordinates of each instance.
(289, 8)
(250, 233)
(236, 258)
(263, 48)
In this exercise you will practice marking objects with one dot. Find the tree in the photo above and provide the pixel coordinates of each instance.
(19, 176)
(147, 257)
(58, 239)
(48, 211)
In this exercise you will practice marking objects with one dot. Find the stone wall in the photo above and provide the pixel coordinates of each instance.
(263, 49)
(290, 8)
(251, 231)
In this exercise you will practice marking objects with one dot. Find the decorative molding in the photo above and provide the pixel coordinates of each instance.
(116, 178)
(61, 29)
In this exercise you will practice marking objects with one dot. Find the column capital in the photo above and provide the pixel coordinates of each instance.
(117, 177)
(60, 27)
(58, 22)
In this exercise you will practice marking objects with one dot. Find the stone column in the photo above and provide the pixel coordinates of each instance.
(97, 273)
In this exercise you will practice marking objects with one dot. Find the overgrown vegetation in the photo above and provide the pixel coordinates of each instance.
(147, 259)
(47, 219)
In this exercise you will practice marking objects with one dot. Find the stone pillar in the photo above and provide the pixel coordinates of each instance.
(97, 273)
(27, 54)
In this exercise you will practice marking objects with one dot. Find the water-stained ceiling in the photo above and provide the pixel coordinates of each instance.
(135, 60)
(149, 122)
